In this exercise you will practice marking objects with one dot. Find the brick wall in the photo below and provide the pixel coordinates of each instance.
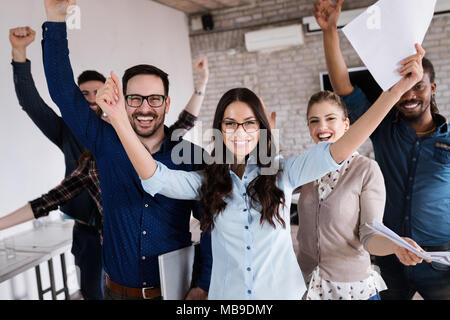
(286, 79)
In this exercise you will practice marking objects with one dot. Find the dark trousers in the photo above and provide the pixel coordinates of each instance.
(86, 248)
(430, 280)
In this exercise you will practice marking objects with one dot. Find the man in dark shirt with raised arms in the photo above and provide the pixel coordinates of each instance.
(137, 226)
(86, 246)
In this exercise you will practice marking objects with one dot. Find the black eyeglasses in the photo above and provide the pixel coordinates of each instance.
(153, 100)
(250, 126)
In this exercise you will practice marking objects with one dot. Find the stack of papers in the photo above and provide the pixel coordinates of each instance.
(440, 257)
(386, 33)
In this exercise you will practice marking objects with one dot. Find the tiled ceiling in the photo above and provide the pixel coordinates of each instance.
(195, 6)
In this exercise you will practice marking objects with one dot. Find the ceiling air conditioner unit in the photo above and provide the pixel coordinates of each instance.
(442, 7)
(274, 38)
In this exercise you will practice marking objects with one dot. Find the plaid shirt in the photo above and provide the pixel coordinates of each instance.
(85, 176)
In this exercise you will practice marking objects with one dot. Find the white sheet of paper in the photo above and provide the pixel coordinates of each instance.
(441, 257)
(385, 34)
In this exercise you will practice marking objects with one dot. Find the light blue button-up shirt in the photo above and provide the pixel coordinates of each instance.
(250, 260)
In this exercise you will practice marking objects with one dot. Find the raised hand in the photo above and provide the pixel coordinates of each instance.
(411, 70)
(202, 70)
(111, 100)
(57, 9)
(273, 116)
(327, 13)
(20, 39)
(273, 120)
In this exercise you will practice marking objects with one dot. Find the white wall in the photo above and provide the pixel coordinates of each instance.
(114, 35)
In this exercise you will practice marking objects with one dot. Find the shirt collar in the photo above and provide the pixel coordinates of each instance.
(252, 161)
(441, 121)
(167, 144)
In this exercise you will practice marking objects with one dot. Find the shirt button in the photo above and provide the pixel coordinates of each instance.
(146, 205)
(244, 194)
(406, 218)
(248, 247)
(246, 227)
(245, 210)
(144, 283)
(144, 232)
(408, 197)
(249, 269)
(245, 177)
(143, 258)
(249, 291)
(414, 159)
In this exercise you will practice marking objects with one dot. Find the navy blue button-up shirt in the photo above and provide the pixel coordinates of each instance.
(137, 227)
(416, 172)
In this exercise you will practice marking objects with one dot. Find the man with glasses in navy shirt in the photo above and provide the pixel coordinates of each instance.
(137, 227)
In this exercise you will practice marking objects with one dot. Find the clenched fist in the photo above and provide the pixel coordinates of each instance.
(57, 9)
(111, 100)
(20, 39)
(201, 70)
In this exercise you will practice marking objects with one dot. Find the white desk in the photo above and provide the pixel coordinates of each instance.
(36, 246)
(23, 261)
(54, 238)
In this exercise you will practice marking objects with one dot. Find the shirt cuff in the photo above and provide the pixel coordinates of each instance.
(203, 284)
(355, 97)
(21, 67)
(54, 30)
(41, 208)
(187, 116)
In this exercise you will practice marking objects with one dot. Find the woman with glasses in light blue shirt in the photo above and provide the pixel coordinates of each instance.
(246, 189)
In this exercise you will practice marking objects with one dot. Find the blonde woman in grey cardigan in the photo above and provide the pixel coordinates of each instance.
(334, 242)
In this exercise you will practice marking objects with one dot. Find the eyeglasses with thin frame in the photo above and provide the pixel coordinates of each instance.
(153, 100)
(249, 126)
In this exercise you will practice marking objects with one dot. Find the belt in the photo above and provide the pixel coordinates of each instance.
(144, 293)
(445, 247)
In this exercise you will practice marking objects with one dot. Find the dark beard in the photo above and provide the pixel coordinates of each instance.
(151, 133)
(414, 118)
(148, 135)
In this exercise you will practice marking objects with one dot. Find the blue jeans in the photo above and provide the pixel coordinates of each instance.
(430, 280)
(87, 250)
(375, 297)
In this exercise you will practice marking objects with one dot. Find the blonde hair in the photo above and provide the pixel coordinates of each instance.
(327, 96)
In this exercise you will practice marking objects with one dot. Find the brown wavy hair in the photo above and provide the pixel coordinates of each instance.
(217, 184)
